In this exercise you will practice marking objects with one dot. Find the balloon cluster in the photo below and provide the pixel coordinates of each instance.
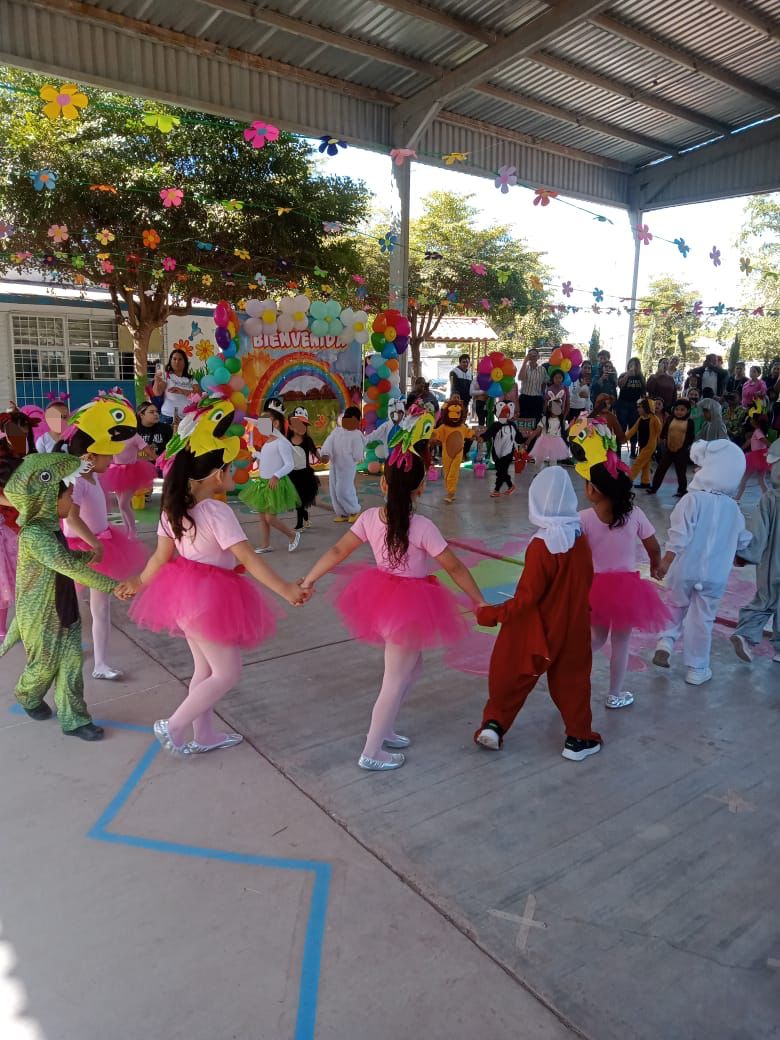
(389, 338)
(566, 359)
(223, 376)
(496, 374)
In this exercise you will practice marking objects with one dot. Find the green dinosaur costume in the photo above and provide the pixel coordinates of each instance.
(47, 614)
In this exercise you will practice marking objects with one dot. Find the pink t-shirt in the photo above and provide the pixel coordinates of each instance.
(425, 540)
(216, 530)
(129, 453)
(91, 500)
(615, 548)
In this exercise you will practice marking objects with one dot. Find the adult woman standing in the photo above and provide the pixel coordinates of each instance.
(174, 386)
(605, 382)
(631, 386)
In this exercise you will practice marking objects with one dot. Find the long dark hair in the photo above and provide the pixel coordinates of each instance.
(401, 485)
(617, 489)
(169, 366)
(177, 497)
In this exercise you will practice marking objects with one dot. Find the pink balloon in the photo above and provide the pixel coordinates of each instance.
(576, 357)
(485, 365)
(222, 314)
(403, 326)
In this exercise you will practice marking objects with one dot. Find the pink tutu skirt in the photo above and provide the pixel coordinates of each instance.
(186, 598)
(415, 613)
(756, 462)
(9, 546)
(623, 600)
(132, 477)
(549, 447)
(123, 556)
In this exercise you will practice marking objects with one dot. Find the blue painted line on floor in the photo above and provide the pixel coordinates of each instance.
(311, 960)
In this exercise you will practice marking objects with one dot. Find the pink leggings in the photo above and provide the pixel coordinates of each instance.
(100, 609)
(402, 670)
(217, 669)
(618, 654)
(125, 499)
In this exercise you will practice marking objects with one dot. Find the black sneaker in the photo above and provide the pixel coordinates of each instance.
(89, 731)
(43, 711)
(575, 750)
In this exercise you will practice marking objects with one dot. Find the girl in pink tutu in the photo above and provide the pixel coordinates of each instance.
(756, 457)
(131, 471)
(99, 431)
(193, 588)
(619, 599)
(397, 604)
(549, 446)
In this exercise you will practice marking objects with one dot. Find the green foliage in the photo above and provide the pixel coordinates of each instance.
(594, 345)
(209, 160)
(736, 346)
(664, 321)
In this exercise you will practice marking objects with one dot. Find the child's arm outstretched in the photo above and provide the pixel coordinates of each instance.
(653, 550)
(534, 582)
(337, 553)
(461, 575)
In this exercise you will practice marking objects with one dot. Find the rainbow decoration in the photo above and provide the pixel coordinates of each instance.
(282, 371)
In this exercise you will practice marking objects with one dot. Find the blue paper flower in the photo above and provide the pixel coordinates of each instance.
(43, 179)
(683, 246)
(330, 145)
(388, 242)
(598, 295)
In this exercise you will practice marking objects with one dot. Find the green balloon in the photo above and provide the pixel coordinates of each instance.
(507, 383)
(233, 365)
(378, 340)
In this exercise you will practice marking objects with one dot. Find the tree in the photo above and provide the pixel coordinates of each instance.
(446, 249)
(734, 350)
(219, 233)
(595, 345)
(664, 321)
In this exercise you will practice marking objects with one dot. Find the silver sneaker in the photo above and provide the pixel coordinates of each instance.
(396, 761)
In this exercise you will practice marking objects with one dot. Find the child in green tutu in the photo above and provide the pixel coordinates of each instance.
(270, 491)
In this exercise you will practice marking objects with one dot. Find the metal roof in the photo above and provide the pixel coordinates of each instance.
(456, 329)
(597, 99)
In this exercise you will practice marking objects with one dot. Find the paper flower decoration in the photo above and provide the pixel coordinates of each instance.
(64, 102)
(207, 279)
(567, 289)
(682, 245)
(49, 259)
(536, 283)
(232, 205)
(331, 227)
(452, 297)
(358, 279)
(485, 303)
(58, 233)
(388, 242)
(745, 264)
(107, 189)
(361, 292)
(169, 264)
(78, 262)
(106, 267)
(263, 315)
(163, 121)
(496, 374)
(260, 279)
(698, 308)
(6, 229)
(330, 145)
(400, 155)
(455, 157)
(479, 269)
(44, 179)
(506, 177)
(150, 238)
(720, 308)
(242, 254)
(293, 314)
(542, 196)
(260, 134)
(598, 295)
(505, 301)
(643, 234)
(204, 350)
(320, 272)
(104, 236)
(206, 247)
(355, 326)
(171, 197)
(715, 256)
(325, 318)
(21, 258)
(502, 277)
(758, 312)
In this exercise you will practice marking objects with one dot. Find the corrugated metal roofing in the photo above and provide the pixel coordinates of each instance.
(462, 330)
(342, 66)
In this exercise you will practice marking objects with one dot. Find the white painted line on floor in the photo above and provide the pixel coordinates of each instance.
(526, 922)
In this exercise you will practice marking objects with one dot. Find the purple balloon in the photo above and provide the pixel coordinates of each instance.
(401, 343)
(222, 336)
(484, 380)
(574, 371)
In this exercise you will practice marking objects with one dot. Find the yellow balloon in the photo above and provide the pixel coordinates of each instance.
(565, 365)
(238, 400)
(231, 329)
(497, 375)
(390, 333)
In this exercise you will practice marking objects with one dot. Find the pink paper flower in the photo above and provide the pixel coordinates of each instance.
(506, 177)
(358, 279)
(58, 232)
(259, 134)
(106, 267)
(479, 269)
(485, 303)
(505, 301)
(400, 155)
(169, 264)
(171, 197)
(643, 234)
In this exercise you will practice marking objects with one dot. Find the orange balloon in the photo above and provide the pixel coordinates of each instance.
(392, 364)
(556, 357)
(380, 323)
(508, 367)
(240, 476)
(372, 393)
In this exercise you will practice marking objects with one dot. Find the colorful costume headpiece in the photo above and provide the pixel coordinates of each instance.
(16, 430)
(416, 426)
(108, 419)
(34, 488)
(592, 442)
(207, 425)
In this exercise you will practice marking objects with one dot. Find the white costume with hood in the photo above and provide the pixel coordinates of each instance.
(706, 530)
(344, 449)
(764, 551)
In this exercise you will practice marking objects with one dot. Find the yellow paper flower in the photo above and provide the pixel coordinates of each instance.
(205, 349)
(536, 283)
(104, 236)
(64, 102)
(242, 254)
(207, 279)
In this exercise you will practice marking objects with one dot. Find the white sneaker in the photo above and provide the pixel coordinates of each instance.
(489, 739)
(741, 647)
(619, 700)
(776, 658)
(293, 545)
(698, 676)
(111, 674)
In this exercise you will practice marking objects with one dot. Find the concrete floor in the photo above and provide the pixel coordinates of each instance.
(287, 894)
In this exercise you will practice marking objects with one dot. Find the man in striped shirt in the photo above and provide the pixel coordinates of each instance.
(533, 379)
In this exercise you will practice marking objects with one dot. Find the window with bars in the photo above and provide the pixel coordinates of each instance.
(66, 348)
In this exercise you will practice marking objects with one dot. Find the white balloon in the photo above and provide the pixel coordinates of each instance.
(253, 326)
(253, 309)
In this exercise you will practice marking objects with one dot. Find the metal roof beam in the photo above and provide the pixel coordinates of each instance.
(689, 60)
(628, 91)
(412, 116)
(566, 115)
(437, 17)
(756, 19)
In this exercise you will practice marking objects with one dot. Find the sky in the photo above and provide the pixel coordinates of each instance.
(578, 248)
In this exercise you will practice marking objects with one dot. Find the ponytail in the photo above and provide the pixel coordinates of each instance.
(177, 497)
(617, 489)
(401, 485)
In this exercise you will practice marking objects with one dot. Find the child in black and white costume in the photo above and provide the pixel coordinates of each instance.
(503, 435)
(303, 477)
